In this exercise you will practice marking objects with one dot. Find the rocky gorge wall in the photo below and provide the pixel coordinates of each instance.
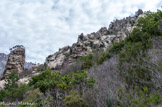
(86, 44)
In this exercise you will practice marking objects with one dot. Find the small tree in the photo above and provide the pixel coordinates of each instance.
(11, 81)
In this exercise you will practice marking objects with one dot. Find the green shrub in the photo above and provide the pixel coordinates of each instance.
(139, 98)
(46, 80)
(51, 80)
(11, 81)
(81, 80)
(56, 83)
(13, 94)
(75, 100)
(18, 93)
(87, 61)
(116, 47)
(3, 94)
(130, 51)
(33, 96)
(12, 91)
(103, 58)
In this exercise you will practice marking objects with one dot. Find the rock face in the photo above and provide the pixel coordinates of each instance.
(86, 44)
(3, 61)
(16, 60)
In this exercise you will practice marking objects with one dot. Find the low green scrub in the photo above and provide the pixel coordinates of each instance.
(138, 98)
(74, 99)
(54, 83)
(87, 61)
(11, 81)
(50, 79)
(12, 91)
(116, 47)
(33, 96)
(103, 58)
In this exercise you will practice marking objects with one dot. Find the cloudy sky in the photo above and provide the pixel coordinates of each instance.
(44, 26)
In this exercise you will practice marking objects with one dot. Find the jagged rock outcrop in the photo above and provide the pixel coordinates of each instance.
(86, 44)
(16, 60)
(3, 61)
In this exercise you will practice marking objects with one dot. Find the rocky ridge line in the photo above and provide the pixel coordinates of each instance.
(86, 44)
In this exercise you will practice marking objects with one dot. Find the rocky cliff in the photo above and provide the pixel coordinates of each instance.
(86, 44)
(16, 60)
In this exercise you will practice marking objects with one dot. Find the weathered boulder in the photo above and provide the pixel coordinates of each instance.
(16, 60)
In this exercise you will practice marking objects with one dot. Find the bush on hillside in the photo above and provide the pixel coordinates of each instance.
(74, 99)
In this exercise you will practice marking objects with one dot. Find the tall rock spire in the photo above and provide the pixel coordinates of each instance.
(16, 60)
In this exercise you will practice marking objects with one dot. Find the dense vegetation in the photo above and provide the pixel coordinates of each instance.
(127, 74)
(12, 91)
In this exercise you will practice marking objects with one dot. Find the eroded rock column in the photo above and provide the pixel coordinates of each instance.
(16, 60)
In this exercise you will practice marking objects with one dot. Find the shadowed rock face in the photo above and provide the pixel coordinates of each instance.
(16, 60)
(86, 44)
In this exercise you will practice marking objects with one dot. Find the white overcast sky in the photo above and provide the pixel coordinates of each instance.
(44, 26)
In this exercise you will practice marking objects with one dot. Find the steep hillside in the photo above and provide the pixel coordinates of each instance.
(116, 67)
